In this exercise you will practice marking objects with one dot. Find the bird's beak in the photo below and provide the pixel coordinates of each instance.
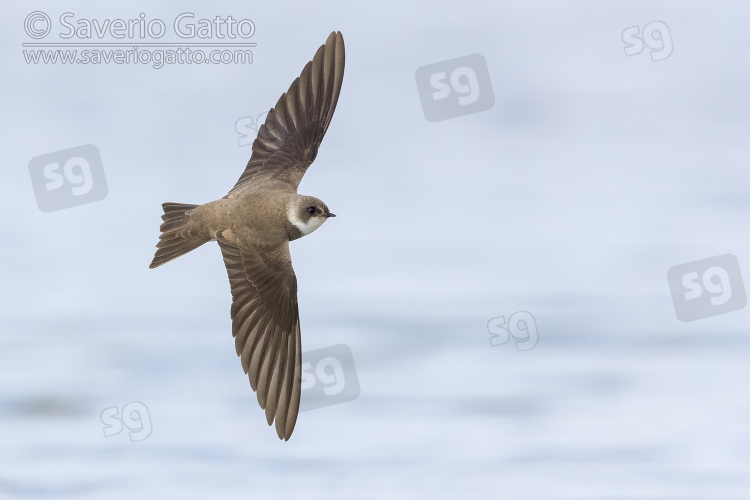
(329, 214)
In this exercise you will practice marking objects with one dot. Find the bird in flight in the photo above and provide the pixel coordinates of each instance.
(253, 225)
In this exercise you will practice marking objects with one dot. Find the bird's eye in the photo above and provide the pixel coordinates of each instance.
(311, 210)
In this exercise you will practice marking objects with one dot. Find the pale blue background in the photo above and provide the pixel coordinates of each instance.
(592, 175)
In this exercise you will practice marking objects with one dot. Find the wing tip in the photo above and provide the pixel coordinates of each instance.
(284, 432)
(336, 39)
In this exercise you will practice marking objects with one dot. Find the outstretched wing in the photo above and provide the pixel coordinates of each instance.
(265, 327)
(288, 141)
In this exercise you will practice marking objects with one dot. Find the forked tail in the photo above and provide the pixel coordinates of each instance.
(175, 239)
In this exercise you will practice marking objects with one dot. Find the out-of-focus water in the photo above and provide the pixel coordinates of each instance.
(582, 415)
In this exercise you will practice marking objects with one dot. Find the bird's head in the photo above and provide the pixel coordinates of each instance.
(308, 213)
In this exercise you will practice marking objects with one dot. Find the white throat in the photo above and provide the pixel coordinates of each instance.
(304, 227)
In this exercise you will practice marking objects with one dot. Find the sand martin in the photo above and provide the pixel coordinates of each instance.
(253, 226)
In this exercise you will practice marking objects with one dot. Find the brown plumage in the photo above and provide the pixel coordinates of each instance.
(253, 225)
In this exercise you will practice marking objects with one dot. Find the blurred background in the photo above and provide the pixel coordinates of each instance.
(570, 198)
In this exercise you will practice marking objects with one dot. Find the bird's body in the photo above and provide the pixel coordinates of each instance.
(253, 225)
(256, 218)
